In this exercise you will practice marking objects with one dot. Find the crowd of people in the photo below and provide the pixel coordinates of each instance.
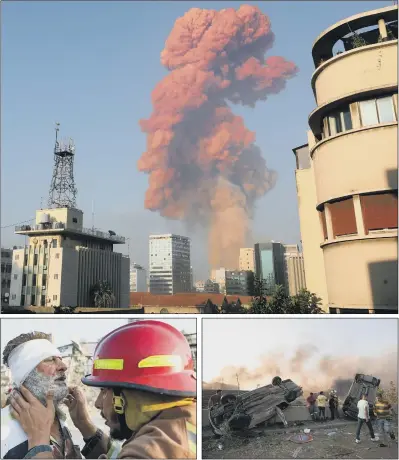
(382, 411)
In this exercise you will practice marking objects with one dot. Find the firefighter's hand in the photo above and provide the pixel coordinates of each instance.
(35, 418)
(78, 410)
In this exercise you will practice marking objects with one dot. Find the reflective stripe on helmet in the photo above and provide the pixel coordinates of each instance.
(161, 361)
(112, 364)
(164, 406)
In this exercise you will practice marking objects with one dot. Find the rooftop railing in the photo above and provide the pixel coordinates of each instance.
(61, 226)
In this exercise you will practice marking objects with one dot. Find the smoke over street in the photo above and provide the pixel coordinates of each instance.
(312, 372)
(203, 164)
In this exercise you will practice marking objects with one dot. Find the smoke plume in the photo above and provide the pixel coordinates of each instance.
(313, 372)
(203, 165)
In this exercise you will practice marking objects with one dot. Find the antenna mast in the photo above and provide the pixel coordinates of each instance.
(62, 189)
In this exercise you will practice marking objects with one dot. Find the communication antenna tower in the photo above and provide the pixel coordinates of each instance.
(62, 189)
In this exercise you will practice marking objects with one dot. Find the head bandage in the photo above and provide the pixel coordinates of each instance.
(24, 358)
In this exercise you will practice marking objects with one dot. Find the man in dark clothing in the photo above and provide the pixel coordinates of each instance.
(333, 404)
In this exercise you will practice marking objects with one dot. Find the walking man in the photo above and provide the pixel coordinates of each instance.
(363, 416)
(382, 410)
(321, 404)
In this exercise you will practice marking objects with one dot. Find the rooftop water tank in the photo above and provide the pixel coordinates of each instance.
(44, 219)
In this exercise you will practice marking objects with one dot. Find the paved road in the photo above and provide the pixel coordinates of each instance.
(276, 444)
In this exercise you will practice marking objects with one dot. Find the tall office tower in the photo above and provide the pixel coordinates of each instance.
(247, 259)
(169, 264)
(270, 265)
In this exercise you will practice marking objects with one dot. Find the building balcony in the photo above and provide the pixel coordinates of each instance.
(59, 227)
(370, 68)
(356, 161)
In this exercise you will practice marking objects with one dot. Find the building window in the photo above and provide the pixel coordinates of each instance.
(15, 277)
(43, 301)
(8, 283)
(33, 300)
(17, 257)
(375, 111)
(57, 256)
(23, 280)
(35, 259)
(34, 279)
(56, 276)
(54, 242)
(380, 211)
(338, 122)
(44, 280)
(22, 300)
(3, 268)
(45, 259)
(75, 220)
(55, 297)
(26, 259)
(14, 296)
(343, 217)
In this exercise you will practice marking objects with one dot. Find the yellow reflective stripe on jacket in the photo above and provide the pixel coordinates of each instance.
(164, 406)
(192, 437)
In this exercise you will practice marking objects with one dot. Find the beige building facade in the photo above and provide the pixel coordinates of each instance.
(294, 269)
(346, 175)
(247, 259)
(64, 260)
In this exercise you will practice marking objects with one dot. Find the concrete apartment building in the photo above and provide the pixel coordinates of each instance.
(138, 278)
(169, 268)
(64, 260)
(294, 269)
(6, 267)
(247, 259)
(346, 175)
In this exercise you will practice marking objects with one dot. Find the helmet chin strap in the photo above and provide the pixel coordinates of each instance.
(119, 404)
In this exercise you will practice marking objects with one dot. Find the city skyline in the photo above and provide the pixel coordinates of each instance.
(129, 96)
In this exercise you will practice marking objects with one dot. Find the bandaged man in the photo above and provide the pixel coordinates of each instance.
(32, 423)
(147, 383)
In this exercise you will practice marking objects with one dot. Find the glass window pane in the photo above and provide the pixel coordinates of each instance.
(338, 124)
(331, 124)
(385, 109)
(368, 112)
(347, 119)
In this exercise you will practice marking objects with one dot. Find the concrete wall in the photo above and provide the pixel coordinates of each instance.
(69, 279)
(311, 235)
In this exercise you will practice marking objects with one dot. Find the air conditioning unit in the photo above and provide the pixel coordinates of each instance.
(44, 267)
(43, 288)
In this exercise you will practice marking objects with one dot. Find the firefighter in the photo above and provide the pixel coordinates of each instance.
(148, 395)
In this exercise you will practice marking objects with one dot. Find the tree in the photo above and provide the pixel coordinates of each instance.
(281, 303)
(305, 302)
(233, 308)
(102, 295)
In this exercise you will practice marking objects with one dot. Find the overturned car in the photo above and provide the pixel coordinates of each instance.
(252, 408)
(362, 384)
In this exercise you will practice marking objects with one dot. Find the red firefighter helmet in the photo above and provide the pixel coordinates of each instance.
(145, 355)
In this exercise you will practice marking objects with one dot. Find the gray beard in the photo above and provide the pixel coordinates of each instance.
(39, 385)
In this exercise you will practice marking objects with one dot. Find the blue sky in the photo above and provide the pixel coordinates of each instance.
(92, 67)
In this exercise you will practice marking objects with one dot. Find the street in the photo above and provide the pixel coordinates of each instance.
(329, 441)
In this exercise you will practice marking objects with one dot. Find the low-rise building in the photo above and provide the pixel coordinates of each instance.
(239, 282)
(6, 268)
(138, 278)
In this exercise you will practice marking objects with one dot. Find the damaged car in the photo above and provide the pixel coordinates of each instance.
(362, 384)
(247, 410)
